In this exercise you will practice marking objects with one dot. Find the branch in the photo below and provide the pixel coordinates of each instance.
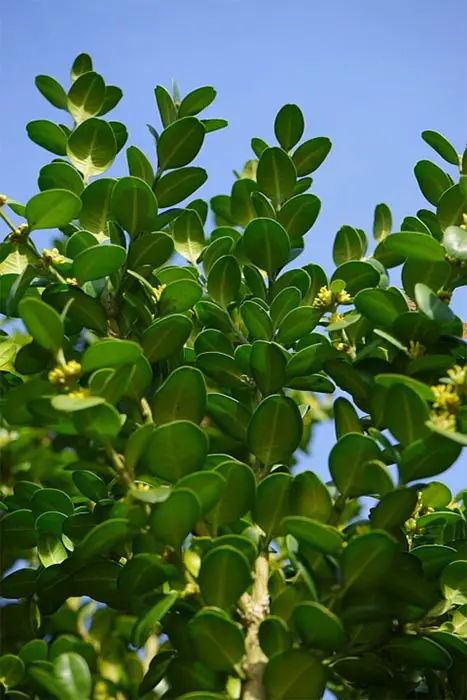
(256, 607)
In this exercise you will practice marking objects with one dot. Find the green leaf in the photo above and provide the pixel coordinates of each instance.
(81, 64)
(257, 320)
(19, 584)
(208, 487)
(239, 493)
(18, 527)
(229, 414)
(50, 549)
(405, 414)
(262, 205)
(52, 91)
(276, 175)
(294, 674)
(219, 642)
(267, 244)
(378, 306)
(268, 366)
(433, 274)
(43, 323)
(357, 275)
(166, 105)
(415, 246)
(165, 337)
(173, 519)
(299, 214)
(95, 212)
(212, 340)
(242, 206)
(311, 497)
(454, 582)
(389, 380)
(110, 352)
(289, 126)
(441, 145)
(418, 652)
(224, 280)
(101, 422)
(112, 97)
(180, 143)
(323, 538)
(98, 261)
(429, 304)
(394, 509)
(52, 209)
(297, 323)
(176, 449)
(48, 135)
(311, 154)
(428, 457)
(286, 301)
(92, 147)
(134, 205)
(274, 636)
(455, 242)
(139, 165)
(146, 624)
(120, 133)
(318, 627)
(60, 176)
(367, 559)
(73, 672)
(196, 101)
(223, 369)
(452, 207)
(181, 397)
(152, 249)
(102, 539)
(214, 124)
(346, 419)
(90, 484)
(348, 245)
(189, 235)
(432, 180)
(86, 96)
(272, 504)
(11, 670)
(50, 499)
(275, 429)
(224, 575)
(141, 574)
(176, 186)
(85, 311)
(363, 474)
(382, 222)
(179, 296)
(308, 361)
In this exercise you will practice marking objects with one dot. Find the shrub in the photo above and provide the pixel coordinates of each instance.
(160, 377)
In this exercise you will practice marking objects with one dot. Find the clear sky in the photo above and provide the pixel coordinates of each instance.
(370, 75)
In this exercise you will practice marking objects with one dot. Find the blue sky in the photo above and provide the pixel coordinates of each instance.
(370, 75)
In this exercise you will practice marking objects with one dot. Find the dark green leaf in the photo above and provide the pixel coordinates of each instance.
(224, 280)
(318, 627)
(323, 538)
(275, 429)
(382, 222)
(311, 154)
(134, 205)
(294, 674)
(432, 180)
(418, 652)
(112, 97)
(176, 449)
(229, 414)
(454, 583)
(441, 145)
(152, 249)
(299, 214)
(176, 186)
(165, 337)
(297, 323)
(166, 105)
(274, 635)
(139, 166)
(147, 623)
(181, 397)
(189, 235)
(218, 641)
(289, 126)
(362, 474)
(268, 366)
(196, 101)
(52, 209)
(96, 199)
(110, 352)
(257, 320)
(267, 244)
(224, 576)
(452, 207)
(180, 143)
(276, 175)
(405, 414)
(98, 261)
(241, 204)
(101, 422)
(239, 492)
(43, 323)
(60, 176)
(348, 245)
(48, 135)
(367, 559)
(272, 504)
(179, 296)
(52, 91)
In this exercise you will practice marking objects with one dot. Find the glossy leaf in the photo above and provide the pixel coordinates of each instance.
(267, 244)
(176, 449)
(289, 126)
(180, 143)
(86, 96)
(43, 323)
(441, 145)
(382, 222)
(276, 442)
(181, 397)
(176, 186)
(134, 205)
(224, 576)
(173, 519)
(48, 135)
(224, 280)
(218, 641)
(311, 154)
(367, 559)
(432, 181)
(318, 627)
(165, 336)
(294, 674)
(52, 209)
(299, 214)
(92, 147)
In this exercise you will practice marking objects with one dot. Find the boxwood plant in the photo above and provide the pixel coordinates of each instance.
(162, 367)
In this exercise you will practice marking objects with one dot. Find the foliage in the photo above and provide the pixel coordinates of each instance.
(159, 381)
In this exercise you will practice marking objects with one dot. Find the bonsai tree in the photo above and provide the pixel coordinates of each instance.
(162, 371)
